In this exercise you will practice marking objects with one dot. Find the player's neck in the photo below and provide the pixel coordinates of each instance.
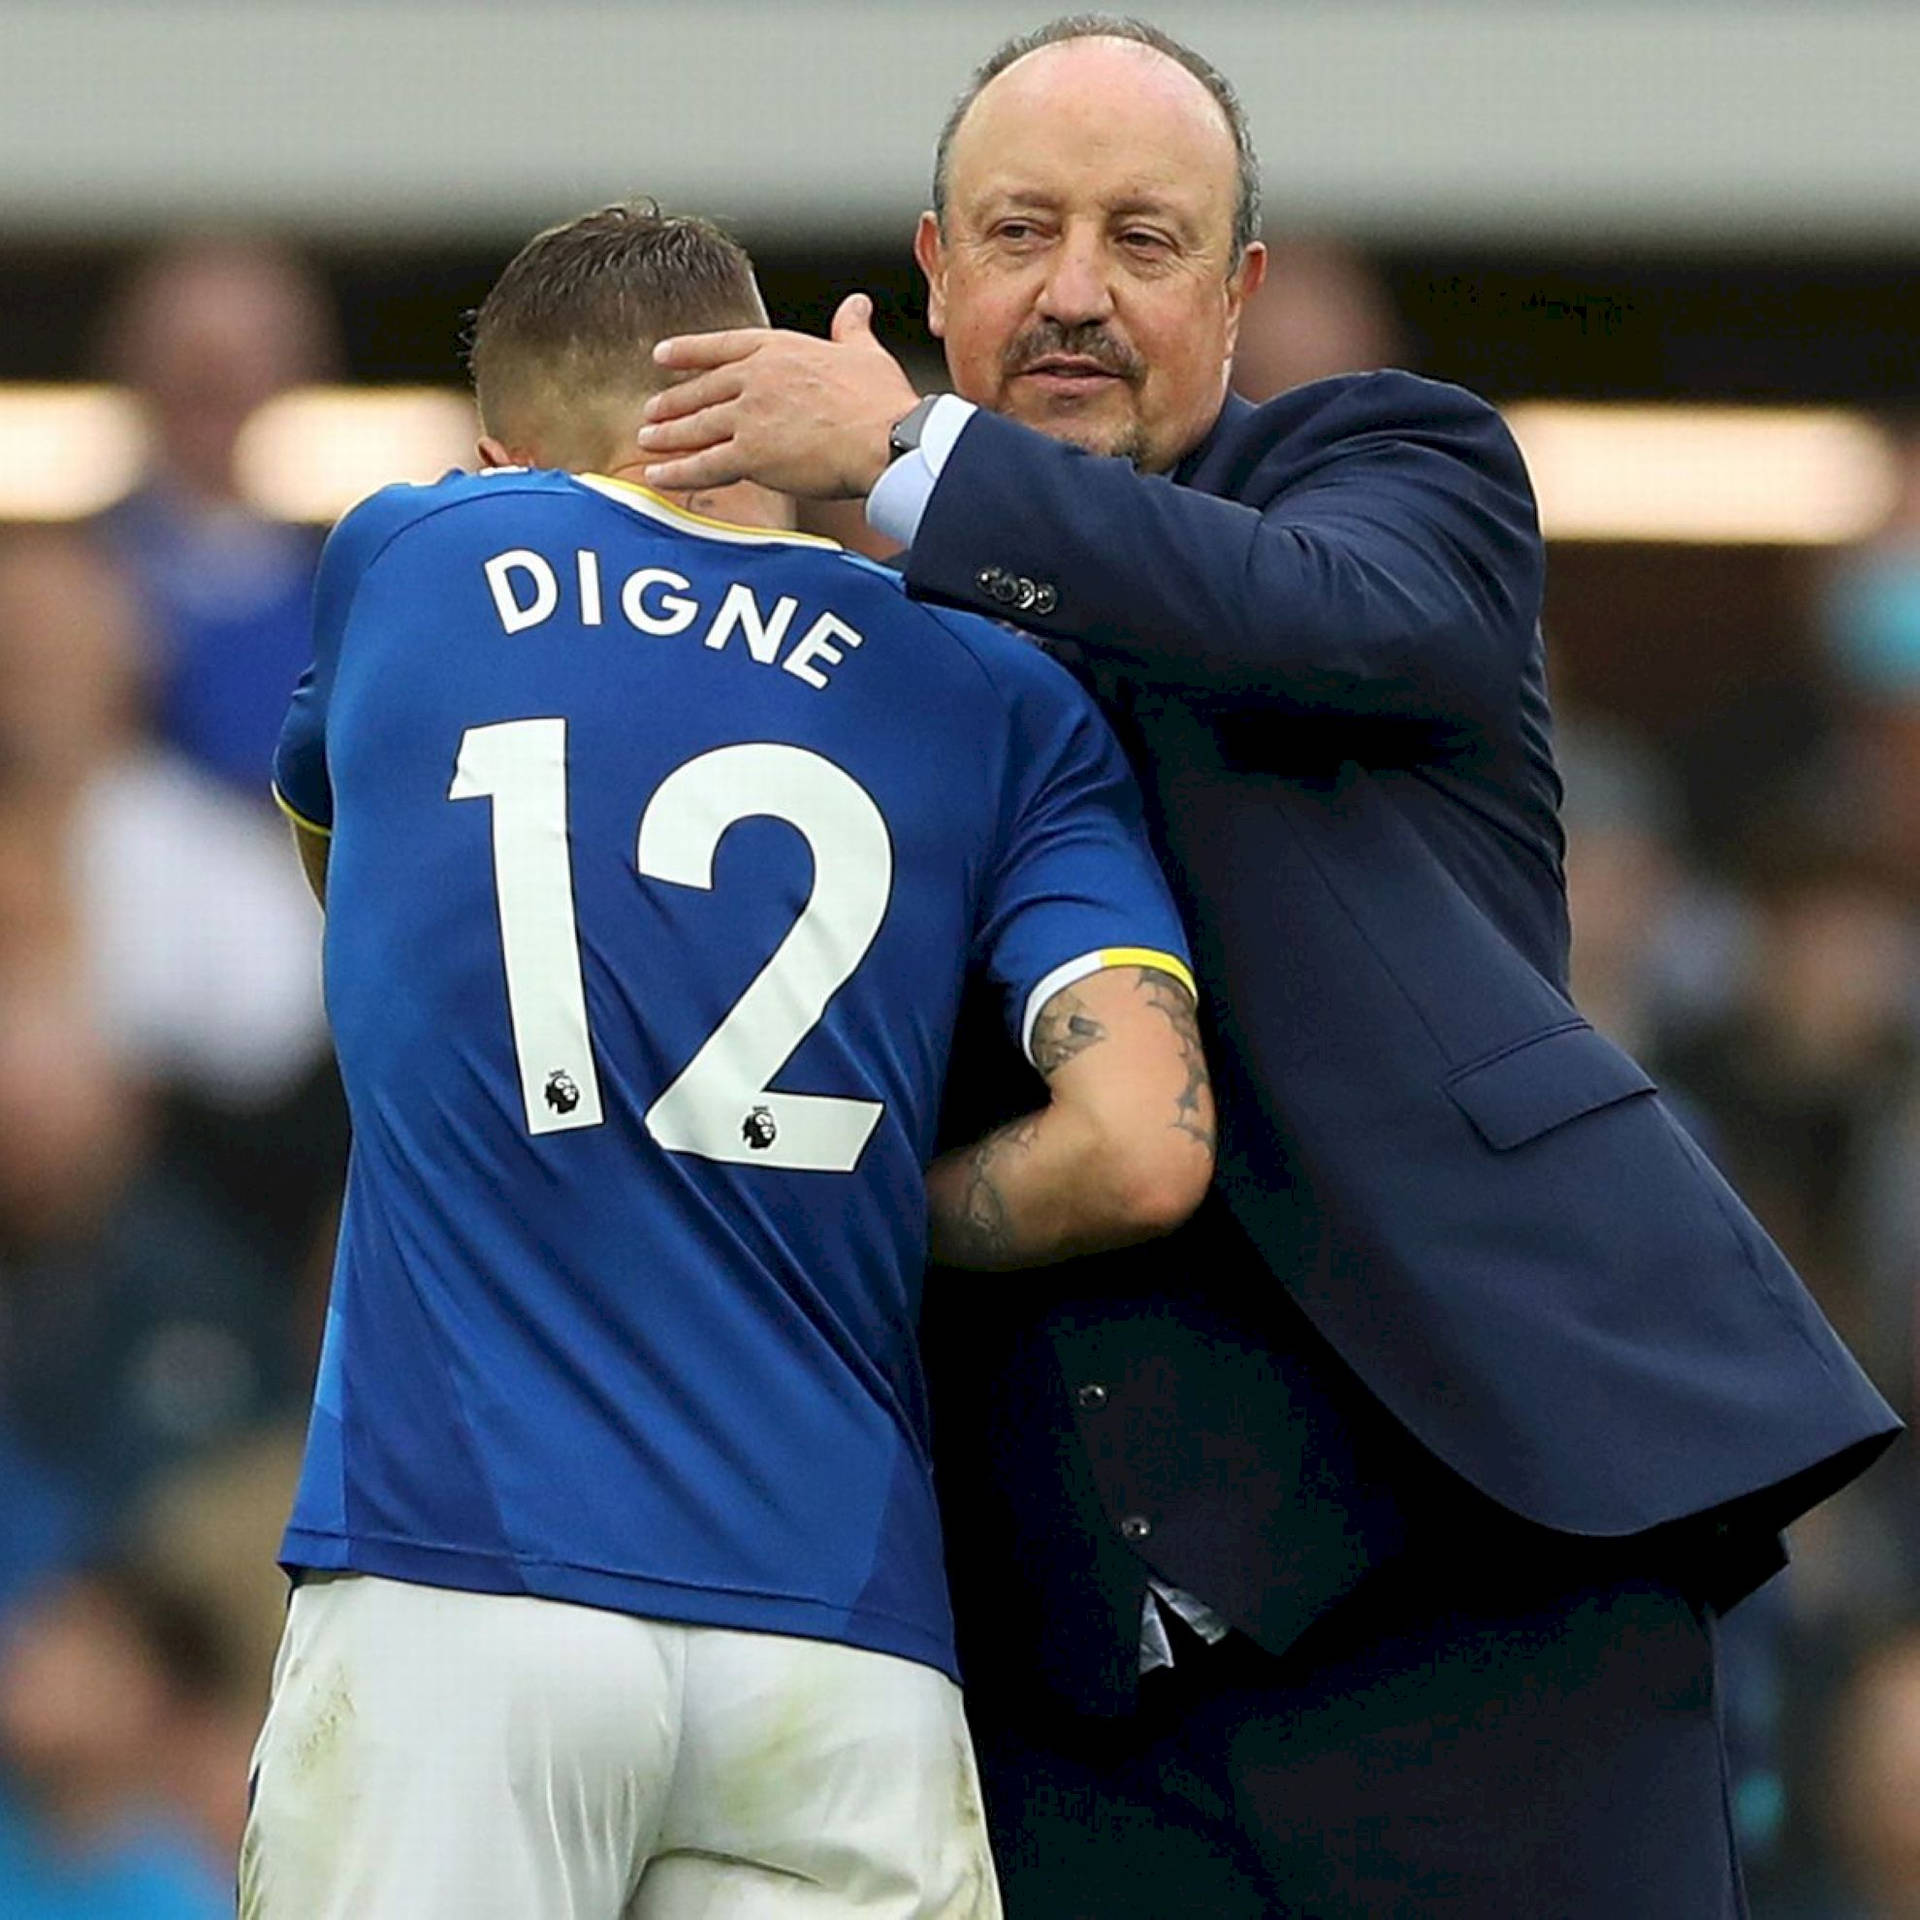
(744, 504)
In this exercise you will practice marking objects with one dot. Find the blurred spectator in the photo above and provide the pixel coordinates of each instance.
(174, 905)
(127, 1768)
(1871, 616)
(136, 1327)
(1620, 879)
(1654, 953)
(1655, 949)
(1874, 596)
(1810, 1077)
(1873, 1785)
(1322, 311)
(203, 334)
(182, 906)
(212, 1530)
(42, 1521)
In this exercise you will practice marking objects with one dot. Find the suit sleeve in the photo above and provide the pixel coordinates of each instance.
(1380, 557)
(300, 781)
(1076, 888)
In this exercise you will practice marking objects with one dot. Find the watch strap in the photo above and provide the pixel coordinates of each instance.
(904, 435)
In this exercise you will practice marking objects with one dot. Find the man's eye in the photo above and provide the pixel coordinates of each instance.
(1016, 231)
(1142, 240)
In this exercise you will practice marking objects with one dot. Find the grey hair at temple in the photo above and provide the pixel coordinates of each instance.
(1102, 26)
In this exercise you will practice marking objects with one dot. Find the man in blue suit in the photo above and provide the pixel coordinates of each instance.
(1357, 1550)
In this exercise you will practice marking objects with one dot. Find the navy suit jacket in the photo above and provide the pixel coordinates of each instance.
(1320, 638)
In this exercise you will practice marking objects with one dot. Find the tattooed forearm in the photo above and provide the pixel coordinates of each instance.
(1094, 1168)
(1192, 1105)
(1064, 1028)
(978, 1232)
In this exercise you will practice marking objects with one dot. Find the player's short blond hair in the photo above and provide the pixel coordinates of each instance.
(561, 350)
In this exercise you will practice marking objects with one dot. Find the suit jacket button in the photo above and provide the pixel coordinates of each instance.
(1136, 1526)
(987, 579)
(1092, 1396)
(1045, 599)
(1006, 591)
(1029, 593)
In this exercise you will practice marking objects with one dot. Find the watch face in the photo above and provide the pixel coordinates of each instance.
(905, 435)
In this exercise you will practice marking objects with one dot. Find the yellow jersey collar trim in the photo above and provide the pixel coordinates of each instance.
(630, 493)
(294, 814)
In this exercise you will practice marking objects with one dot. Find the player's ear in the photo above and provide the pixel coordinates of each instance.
(932, 256)
(494, 453)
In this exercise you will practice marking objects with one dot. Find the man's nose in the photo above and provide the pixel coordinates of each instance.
(1077, 288)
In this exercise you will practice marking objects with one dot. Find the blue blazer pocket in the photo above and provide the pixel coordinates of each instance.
(1543, 1082)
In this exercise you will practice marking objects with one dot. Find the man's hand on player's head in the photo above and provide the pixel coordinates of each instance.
(803, 416)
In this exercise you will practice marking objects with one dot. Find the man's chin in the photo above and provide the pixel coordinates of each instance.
(1116, 438)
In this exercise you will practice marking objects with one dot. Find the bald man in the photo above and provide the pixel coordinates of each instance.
(1356, 1551)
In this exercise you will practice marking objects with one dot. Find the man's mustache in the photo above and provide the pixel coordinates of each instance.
(1089, 341)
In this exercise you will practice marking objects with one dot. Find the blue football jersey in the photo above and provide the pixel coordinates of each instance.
(660, 851)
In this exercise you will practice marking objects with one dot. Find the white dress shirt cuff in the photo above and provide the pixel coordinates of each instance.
(899, 497)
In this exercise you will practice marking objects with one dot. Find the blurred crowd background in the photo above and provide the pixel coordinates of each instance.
(1739, 730)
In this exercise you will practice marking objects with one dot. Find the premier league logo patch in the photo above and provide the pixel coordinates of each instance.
(758, 1130)
(562, 1094)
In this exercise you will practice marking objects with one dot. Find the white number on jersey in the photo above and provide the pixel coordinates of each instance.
(720, 1107)
(522, 765)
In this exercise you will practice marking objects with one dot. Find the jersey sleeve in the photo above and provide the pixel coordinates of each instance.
(1077, 888)
(300, 782)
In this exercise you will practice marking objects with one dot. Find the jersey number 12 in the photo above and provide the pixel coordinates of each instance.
(720, 1107)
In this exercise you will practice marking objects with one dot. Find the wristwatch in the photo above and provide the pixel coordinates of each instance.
(904, 435)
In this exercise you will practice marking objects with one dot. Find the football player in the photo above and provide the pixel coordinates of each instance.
(657, 841)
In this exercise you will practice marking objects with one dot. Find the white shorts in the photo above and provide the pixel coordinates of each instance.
(438, 1755)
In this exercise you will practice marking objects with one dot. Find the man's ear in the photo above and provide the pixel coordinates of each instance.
(1242, 284)
(496, 453)
(931, 252)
